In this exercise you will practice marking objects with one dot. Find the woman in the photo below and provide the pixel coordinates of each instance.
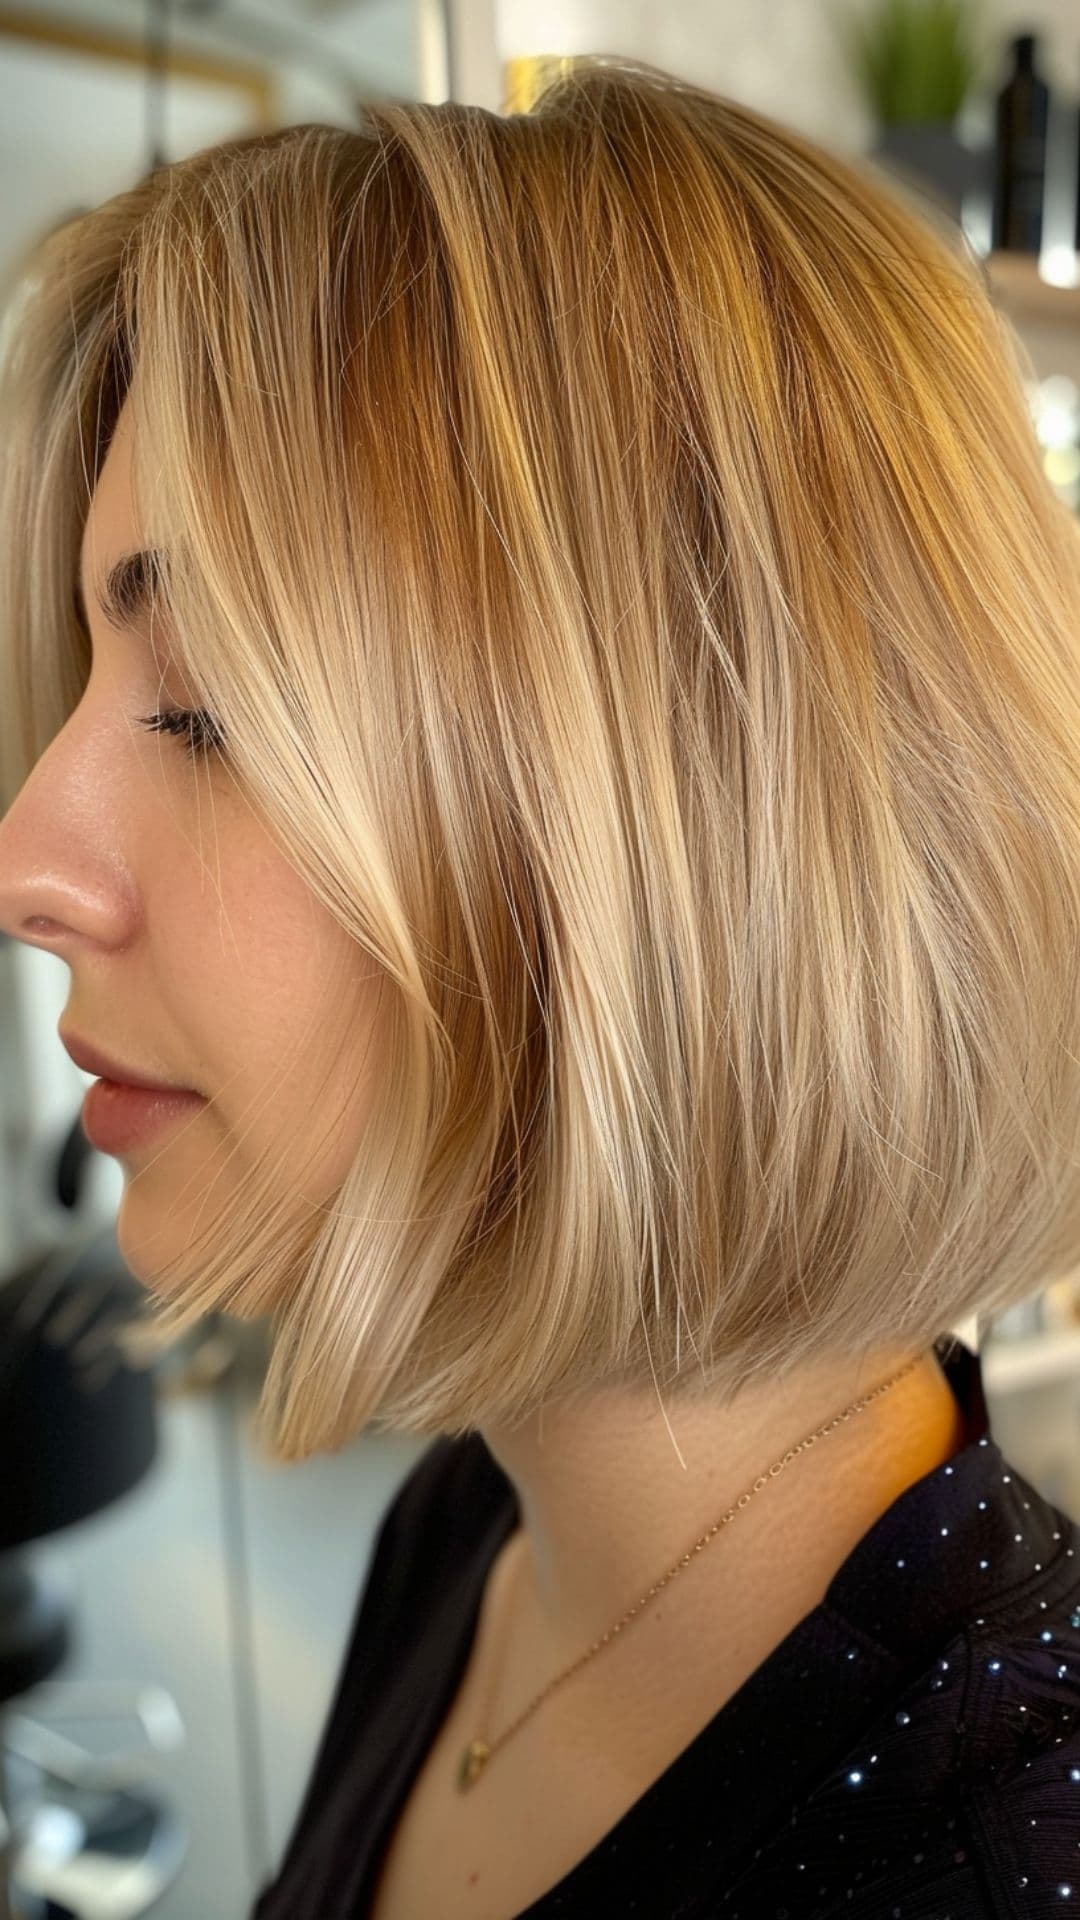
(618, 916)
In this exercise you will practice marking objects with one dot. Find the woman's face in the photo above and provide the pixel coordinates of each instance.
(198, 955)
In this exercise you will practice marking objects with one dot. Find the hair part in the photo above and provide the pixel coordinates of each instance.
(614, 543)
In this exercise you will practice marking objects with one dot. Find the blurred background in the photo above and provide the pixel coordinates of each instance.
(172, 1610)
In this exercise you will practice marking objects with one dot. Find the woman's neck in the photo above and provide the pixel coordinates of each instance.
(612, 1494)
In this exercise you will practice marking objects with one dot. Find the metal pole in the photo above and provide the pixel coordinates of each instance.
(8, 1910)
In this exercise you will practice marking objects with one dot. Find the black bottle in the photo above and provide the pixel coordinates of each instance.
(1020, 153)
(1076, 234)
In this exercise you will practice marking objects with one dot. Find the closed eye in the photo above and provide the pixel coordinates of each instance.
(196, 727)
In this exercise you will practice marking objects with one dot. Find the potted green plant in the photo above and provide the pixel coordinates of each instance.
(915, 63)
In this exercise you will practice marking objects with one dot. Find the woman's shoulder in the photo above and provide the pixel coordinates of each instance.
(1021, 1755)
(453, 1478)
(447, 1508)
(975, 1768)
(957, 1792)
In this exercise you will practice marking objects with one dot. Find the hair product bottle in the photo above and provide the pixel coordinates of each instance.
(1076, 228)
(1020, 153)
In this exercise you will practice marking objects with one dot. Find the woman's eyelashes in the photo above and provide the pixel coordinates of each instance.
(195, 727)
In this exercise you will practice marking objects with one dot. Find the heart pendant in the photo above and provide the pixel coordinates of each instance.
(472, 1764)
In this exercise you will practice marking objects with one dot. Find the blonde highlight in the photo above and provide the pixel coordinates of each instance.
(614, 541)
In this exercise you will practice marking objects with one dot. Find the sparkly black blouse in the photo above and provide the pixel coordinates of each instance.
(910, 1750)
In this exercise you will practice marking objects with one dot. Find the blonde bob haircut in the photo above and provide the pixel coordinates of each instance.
(614, 546)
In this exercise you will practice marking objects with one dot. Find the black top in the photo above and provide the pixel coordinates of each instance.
(911, 1748)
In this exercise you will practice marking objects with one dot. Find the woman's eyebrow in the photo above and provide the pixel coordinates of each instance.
(129, 591)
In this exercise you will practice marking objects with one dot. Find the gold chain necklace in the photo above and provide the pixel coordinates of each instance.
(478, 1752)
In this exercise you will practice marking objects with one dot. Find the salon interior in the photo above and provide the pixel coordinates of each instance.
(172, 1608)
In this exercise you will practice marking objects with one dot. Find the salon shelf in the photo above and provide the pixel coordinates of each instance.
(1046, 317)
(1022, 293)
(1013, 1365)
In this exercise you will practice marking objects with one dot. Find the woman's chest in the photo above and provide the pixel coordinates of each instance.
(552, 1792)
(430, 1868)
(491, 1852)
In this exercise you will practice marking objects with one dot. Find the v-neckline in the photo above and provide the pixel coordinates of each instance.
(833, 1663)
